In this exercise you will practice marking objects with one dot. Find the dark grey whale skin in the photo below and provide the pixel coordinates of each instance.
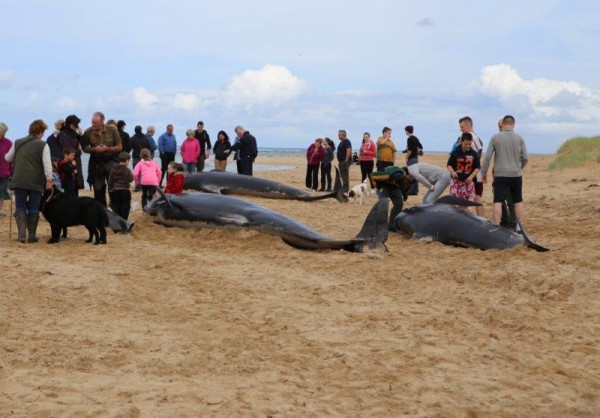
(225, 183)
(198, 210)
(448, 224)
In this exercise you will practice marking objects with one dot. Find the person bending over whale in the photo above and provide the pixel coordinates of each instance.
(393, 183)
(435, 178)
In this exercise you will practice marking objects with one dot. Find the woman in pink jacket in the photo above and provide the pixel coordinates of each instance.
(366, 156)
(190, 151)
(314, 156)
(147, 174)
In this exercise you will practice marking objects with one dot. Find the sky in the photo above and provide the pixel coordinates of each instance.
(291, 72)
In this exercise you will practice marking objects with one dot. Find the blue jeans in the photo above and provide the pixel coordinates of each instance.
(28, 200)
(189, 167)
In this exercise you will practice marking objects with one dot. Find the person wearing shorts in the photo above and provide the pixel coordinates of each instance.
(510, 157)
(463, 166)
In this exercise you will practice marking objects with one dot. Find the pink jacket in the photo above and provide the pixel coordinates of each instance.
(147, 173)
(190, 150)
(368, 150)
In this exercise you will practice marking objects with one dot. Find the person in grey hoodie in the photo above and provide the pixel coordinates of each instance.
(435, 178)
(510, 157)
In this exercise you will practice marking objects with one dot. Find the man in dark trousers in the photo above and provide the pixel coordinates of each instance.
(202, 136)
(247, 150)
(393, 183)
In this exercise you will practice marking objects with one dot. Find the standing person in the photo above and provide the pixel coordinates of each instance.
(510, 157)
(314, 156)
(466, 125)
(56, 151)
(125, 137)
(119, 181)
(139, 141)
(32, 175)
(386, 150)
(204, 141)
(509, 218)
(70, 137)
(147, 173)
(328, 150)
(236, 156)
(435, 178)
(190, 152)
(463, 166)
(413, 150)
(167, 146)
(67, 170)
(150, 131)
(392, 183)
(5, 166)
(103, 143)
(366, 156)
(344, 156)
(248, 150)
(221, 149)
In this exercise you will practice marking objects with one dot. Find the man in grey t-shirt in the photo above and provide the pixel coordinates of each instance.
(510, 156)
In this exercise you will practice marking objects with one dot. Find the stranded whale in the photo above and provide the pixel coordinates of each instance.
(198, 210)
(440, 221)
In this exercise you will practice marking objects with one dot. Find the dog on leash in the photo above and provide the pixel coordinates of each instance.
(360, 192)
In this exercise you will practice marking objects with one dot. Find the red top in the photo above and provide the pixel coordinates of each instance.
(314, 157)
(174, 183)
(368, 150)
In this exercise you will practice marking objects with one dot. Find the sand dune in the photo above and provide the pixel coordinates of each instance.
(172, 322)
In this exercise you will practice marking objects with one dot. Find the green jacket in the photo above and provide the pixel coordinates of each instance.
(29, 165)
(387, 176)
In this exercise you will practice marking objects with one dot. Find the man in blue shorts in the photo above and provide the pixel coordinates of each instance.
(510, 156)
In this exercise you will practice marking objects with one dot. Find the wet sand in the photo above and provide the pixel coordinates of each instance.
(173, 323)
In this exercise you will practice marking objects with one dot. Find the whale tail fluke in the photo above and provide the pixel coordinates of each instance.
(375, 229)
(529, 242)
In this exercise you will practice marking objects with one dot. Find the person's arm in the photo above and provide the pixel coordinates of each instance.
(208, 144)
(118, 143)
(450, 166)
(10, 155)
(348, 154)
(524, 156)
(488, 158)
(47, 161)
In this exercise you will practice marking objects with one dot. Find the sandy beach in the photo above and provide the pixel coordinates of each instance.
(170, 322)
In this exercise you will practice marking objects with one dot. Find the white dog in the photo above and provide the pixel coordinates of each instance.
(360, 192)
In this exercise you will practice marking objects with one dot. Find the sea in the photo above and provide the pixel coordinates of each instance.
(231, 166)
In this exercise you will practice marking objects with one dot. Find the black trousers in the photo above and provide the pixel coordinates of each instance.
(312, 176)
(245, 166)
(147, 194)
(326, 176)
(366, 168)
(120, 202)
(397, 199)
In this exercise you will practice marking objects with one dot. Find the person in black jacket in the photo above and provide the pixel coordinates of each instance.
(138, 142)
(125, 138)
(221, 149)
(202, 136)
(247, 148)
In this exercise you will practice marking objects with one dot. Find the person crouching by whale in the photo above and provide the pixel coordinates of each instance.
(435, 178)
(175, 178)
(148, 175)
(393, 183)
(463, 166)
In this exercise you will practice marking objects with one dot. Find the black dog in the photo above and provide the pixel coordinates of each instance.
(62, 210)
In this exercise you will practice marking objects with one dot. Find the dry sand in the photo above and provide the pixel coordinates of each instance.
(172, 322)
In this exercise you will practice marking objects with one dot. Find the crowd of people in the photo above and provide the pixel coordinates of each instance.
(465, 172)
(30, 165)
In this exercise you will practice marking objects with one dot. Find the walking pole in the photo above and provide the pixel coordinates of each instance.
(10, 216)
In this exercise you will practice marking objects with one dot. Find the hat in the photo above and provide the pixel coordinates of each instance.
(72, 120)
(409, 129)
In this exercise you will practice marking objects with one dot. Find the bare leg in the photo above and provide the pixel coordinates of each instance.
(479, 209)
(520, 211)
(497, 215)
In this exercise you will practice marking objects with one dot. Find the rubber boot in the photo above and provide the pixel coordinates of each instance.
(32, 223)
(21, 218)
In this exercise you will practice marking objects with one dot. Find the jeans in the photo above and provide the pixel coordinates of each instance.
(28, 200)
(326, 176)
(190, 167)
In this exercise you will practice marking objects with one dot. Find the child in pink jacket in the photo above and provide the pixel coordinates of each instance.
(190, 151)
(147, 174)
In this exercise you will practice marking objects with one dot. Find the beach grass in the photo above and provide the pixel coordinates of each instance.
(576, 152)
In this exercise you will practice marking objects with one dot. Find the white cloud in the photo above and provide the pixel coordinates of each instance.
(143, 98)
(187, 102)
(273, 84)
(547, 98)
